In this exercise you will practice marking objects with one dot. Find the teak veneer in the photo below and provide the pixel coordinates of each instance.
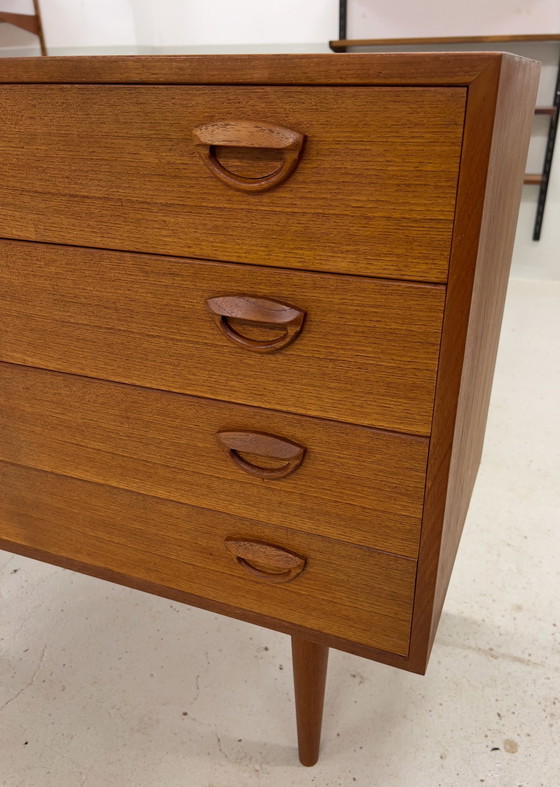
(249, 313)
(130, 185)
(357, 484)
(145, 320)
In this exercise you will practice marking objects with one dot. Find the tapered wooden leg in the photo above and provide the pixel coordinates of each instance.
(310, 674)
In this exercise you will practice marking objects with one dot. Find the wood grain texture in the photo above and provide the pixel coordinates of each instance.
(248, 136)
(266, 562)
(355, 484)
(442, 68)
(231, 313)
(373, 194)
(367, 353)
(344, 590)
(275, 457)
(486, 209)
(310, 674)
(217, 607)
(494, 155)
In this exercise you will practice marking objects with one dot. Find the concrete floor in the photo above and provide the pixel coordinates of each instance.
(105, 687)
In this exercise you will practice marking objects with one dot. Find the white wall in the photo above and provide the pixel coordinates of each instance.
(17, 6)
(224, 22)
(187, 22)
(304, 25)
(409, 18)
(75, 23)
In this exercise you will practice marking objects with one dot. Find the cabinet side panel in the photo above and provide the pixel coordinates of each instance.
(497, 126)
(512, 129)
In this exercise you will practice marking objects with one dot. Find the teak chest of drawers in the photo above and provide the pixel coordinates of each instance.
(249, 312)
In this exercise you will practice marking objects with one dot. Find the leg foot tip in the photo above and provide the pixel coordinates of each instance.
(309, 762)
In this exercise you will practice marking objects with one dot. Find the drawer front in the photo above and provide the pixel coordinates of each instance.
(373, 192)
(352, 483)
(366, 353)
(351, 592)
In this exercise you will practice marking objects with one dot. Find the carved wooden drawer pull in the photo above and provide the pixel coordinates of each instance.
(265, 445)
(245, 134)
(265, 561)
(257, 311)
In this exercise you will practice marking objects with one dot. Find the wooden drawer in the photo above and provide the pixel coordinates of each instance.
(367, 352)
(347, 591)
(353, 483)
(373, 194)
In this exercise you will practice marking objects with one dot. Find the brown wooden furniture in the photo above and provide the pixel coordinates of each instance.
(249, 311)
(30, 22)
(342, 44)
(541, 179)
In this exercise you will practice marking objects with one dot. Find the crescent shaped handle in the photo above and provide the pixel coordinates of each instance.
(247, 134)
(265, 561)
(260, 311)
(265, 445)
